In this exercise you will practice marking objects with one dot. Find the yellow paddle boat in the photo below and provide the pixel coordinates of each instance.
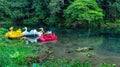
(14, 34)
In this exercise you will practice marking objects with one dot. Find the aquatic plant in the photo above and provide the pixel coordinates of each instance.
(62, 63)
(107, 65)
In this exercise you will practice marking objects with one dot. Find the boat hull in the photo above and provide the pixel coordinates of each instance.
(48, 37)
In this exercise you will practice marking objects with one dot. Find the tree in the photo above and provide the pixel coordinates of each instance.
(4, 10)
(111, 9)
(83, 12)
(38, 12)
(19, 10)
(55, 10)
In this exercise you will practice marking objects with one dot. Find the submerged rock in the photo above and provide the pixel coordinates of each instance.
(89, 55)
(83, 49)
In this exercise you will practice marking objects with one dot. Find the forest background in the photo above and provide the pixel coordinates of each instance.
(60, 13)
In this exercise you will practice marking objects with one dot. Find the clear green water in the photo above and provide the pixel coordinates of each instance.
(106, 44)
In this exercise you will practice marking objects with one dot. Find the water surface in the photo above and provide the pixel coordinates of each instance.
(106, 44)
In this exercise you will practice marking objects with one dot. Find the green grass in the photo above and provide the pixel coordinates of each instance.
(16, 53)
(65, 63)
(13, 53)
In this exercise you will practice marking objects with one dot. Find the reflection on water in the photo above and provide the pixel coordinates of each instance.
(46, 42)
(106, 43)
(110, 46)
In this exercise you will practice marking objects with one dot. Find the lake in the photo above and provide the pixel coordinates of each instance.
(105, 43)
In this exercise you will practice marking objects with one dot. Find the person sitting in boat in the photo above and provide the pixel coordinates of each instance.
(42, 31)
(48, 33)
(45, 33)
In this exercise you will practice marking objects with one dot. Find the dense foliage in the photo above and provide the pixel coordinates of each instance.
(111, 9)
(69, 63)
(59, 12)
(4, 13)
(84, 12)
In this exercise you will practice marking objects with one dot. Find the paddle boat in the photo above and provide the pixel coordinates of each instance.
(14, 34)
(31, 36)
(47, 37)
(32, 33)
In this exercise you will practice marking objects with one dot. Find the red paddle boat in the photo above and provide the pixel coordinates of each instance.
(47, 37)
